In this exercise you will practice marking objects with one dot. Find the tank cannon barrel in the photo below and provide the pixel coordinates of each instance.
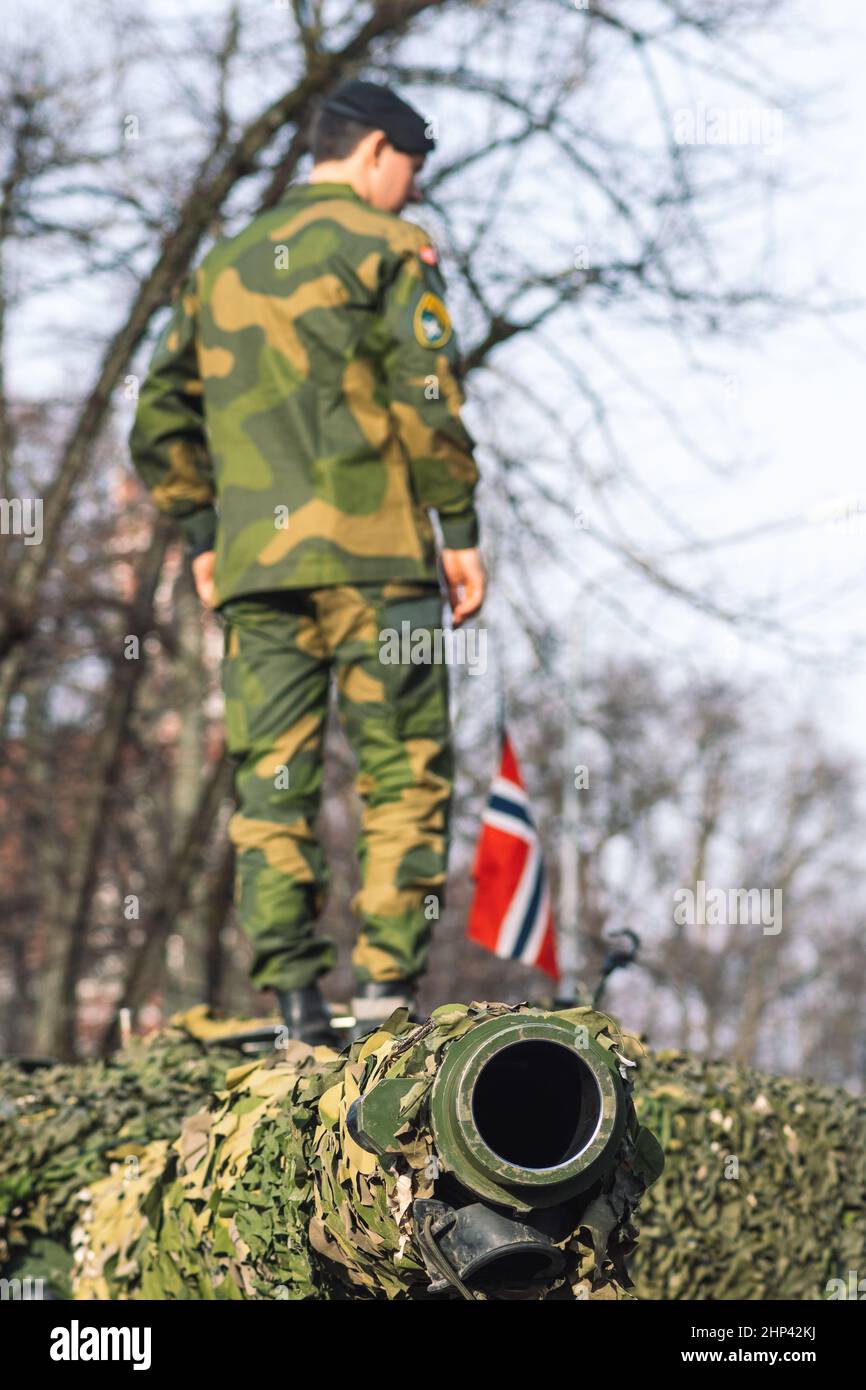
(527, 1116)
(490, 1152)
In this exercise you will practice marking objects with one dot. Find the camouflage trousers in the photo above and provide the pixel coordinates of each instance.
(280, 652)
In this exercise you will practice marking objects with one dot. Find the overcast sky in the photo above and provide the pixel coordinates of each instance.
(787, 409)
(796, 402)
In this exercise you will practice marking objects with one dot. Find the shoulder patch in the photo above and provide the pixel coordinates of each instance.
(431, 321)
(429, 255)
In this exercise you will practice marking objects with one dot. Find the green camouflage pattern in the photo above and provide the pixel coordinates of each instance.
(58, 1125)
(794, 1220)
(763, 1196)
(265, 1194)
(302, 408)
(279, 653)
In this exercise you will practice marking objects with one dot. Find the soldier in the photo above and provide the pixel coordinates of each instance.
(300, 419)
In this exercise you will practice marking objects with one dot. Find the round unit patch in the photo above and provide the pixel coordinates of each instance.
(431, 321)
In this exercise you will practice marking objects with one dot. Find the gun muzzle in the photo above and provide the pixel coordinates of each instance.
(527, 1111)
(527, 1114)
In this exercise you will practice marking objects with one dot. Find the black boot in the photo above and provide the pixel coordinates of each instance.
(306, 1016)
(375, 1000)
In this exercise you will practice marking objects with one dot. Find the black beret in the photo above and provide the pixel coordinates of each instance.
(381, 109)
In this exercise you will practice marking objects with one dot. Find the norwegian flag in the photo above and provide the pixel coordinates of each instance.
(511, 913)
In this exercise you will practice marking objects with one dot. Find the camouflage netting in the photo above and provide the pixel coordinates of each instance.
(265, 1194)
(764, 1190)
(59, 1125)
(790, 1216)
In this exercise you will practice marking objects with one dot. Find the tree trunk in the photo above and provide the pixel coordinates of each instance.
(219, 902)
(176, 887)
(69, 912)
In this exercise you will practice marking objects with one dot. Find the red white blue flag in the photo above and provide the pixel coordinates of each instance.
(511, 912)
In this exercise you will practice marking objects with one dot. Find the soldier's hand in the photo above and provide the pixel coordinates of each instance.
(464, 574)
(202, 573)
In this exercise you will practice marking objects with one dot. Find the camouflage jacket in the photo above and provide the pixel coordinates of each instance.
(301, 411)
